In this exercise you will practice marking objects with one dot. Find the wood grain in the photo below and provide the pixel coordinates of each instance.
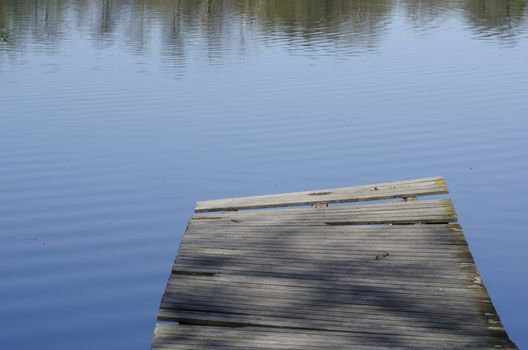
(400, 189)
(362, 276)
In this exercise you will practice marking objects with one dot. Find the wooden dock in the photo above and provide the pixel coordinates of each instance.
(385, 275)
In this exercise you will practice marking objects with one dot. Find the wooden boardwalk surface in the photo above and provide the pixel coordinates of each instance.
(391, 275)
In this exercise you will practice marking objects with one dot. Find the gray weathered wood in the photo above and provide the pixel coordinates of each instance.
(372, 276)
(431, 211)
(197, 337)
(400, 189)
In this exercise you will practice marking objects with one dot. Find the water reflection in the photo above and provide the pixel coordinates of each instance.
(502, 18)
(339, 25)
(337, 21)
(424, 13)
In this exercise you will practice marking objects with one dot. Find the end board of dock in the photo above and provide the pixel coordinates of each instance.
(396, 273)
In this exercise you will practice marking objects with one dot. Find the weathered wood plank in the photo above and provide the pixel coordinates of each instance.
(430, 211)
(352, 277)
(365, 314)
(332, 279)
(339, 310)
(309, 297)
(358, 313)
(337, 252)
(219, 227)
(362, 233)
(331, 338)
(369, 285)
(412, 188)
(372, 287)
(374, 260)
(280, 338)
(195, 317)
(394, 322)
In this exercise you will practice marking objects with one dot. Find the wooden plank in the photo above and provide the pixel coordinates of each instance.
(430, 211)
(365, 314)
(322, 233)
(310, 305)
(426, 230)
(329, 276)
(413, 327)
(335, 252)
(411, 324)
(194, 337)
(333, 279)
(412, 188)
(260, 338)
(322, 297)
(280, 338)
(195, 317)
(347, 286)
(370, 285)
(313, 260)
(454, 320)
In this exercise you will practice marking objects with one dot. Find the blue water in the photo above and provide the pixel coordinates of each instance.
(117, 116)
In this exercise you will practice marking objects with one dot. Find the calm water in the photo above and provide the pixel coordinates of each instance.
(116, 116)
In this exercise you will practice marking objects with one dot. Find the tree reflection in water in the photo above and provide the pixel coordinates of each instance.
(342, 25)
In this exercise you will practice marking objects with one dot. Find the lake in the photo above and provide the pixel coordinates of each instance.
(117, 116)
